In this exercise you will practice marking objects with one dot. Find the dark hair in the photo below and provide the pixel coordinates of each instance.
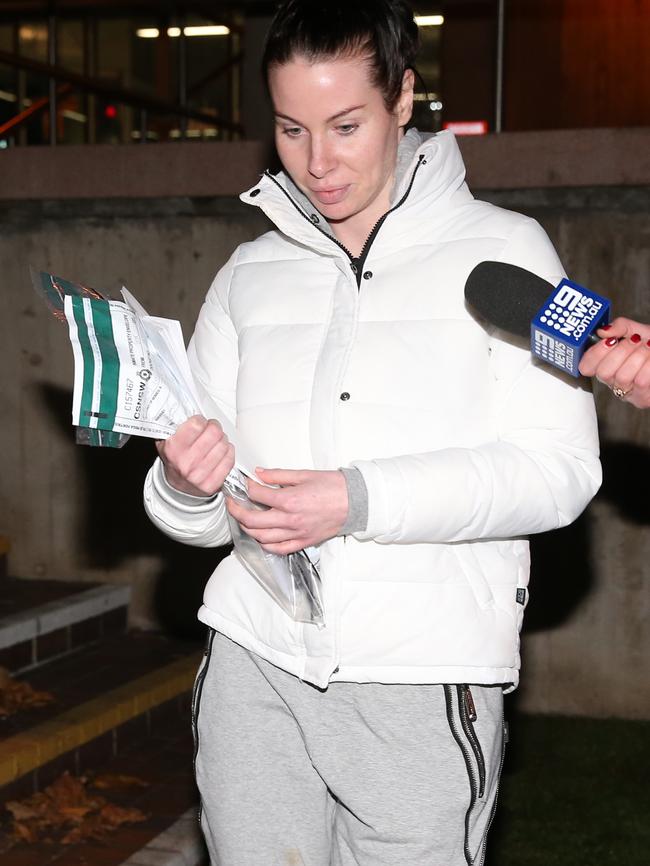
(383, 30)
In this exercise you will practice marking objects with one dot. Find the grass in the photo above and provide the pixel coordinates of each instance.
(574, 792)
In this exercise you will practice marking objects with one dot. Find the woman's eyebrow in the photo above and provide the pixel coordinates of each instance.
(336, 116)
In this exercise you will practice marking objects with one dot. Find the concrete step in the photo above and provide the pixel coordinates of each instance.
(180, 845)
(155, 746)
(41, 620)
(107, 698)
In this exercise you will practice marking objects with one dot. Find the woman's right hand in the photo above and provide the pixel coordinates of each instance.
(198, 457)
(622, 361)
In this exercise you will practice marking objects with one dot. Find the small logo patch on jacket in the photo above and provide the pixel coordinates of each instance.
(521, 596)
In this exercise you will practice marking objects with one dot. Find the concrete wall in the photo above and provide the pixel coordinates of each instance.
(75, 512)
(513, 160)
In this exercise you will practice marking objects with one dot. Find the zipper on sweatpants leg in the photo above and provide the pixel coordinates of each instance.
(196, 700)
(504, 740)
(468, 716)
(453, 727)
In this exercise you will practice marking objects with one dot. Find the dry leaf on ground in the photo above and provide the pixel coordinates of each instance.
(16, 695)
(66, 812)
(117, 780)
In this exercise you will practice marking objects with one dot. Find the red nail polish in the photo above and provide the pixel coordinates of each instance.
(605, 327)
(636, 338)
(611, 341)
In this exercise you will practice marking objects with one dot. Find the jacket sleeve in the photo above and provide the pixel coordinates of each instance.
(537, 474)
(213, 357)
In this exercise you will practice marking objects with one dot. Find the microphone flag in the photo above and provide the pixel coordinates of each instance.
(560, 332)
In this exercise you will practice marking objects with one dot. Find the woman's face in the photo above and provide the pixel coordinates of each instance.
(336, 138)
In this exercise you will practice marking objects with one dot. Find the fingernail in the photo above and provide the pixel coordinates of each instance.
(605, 327)
(611, 341)
(636, 338)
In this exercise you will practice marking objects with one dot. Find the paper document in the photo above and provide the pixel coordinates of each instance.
(132, 375)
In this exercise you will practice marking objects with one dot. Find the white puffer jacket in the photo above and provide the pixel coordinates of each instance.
(465, 444)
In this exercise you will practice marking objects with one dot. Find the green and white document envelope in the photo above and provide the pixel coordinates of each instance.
(118, 381)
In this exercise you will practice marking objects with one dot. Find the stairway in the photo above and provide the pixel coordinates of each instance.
(121, 707)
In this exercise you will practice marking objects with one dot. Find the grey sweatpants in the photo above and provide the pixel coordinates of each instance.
(355, 775)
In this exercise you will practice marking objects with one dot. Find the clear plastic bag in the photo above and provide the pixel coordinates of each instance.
(100, 438)
(292, 580)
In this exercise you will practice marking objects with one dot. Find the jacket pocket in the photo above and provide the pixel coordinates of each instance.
(474, 574)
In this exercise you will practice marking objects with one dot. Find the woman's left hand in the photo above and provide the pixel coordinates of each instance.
(309, 507)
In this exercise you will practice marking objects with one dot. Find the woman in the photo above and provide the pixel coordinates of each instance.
(415, 451)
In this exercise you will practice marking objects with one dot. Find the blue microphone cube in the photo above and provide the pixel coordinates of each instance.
(561, 329)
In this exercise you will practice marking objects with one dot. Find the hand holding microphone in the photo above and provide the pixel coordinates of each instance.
(565, 325)
(622, 361)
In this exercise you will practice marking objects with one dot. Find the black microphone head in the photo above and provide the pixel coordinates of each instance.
(507, 296)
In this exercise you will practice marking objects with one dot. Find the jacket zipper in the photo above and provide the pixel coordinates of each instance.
(467, 718)
(449, 704)
(357, 262)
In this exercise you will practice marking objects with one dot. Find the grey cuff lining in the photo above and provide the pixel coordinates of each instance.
(357, 519)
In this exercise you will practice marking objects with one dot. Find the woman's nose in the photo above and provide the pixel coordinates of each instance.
(321, 158)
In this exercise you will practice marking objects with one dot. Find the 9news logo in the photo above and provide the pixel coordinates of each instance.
(571, 311)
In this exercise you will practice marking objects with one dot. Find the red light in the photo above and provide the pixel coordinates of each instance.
(467, 127)
(110, 112)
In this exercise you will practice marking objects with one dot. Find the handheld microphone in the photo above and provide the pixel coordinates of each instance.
(560, 321)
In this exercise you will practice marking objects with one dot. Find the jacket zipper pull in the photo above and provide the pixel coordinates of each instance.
(470, 706)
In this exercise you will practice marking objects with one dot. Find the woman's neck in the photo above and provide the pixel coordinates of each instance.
(354, 231)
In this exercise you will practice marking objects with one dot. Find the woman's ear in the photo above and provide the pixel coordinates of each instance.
(405, 99)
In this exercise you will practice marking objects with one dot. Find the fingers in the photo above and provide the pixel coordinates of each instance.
(310, 509)
(639, 395)
(617, 328)
(622, 362)
(624, 376)
(284, 498)
(620, 359)
(197, 457)
(596, 355)
(286, 547)
(283, 477)
(604, 359)
(622, 327)
(210, 474)
(270, 528)
(254, 520)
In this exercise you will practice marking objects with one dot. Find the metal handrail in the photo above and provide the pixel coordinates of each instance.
(36, 106)
(113, 92)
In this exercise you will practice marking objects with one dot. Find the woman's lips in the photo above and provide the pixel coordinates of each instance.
(330, 196)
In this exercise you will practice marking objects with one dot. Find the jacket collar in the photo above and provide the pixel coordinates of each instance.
(429, 172)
